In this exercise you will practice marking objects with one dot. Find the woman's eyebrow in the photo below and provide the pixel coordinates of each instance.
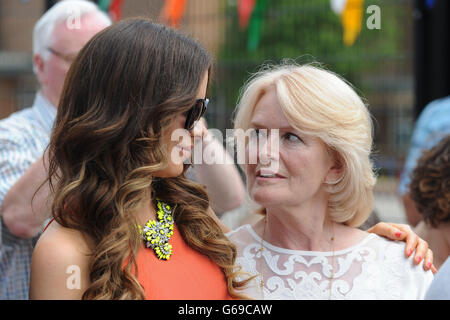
(257, 124)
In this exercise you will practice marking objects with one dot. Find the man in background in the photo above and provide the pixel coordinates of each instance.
(57, 37)
(25, 205)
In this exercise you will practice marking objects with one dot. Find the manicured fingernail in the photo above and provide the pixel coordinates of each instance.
(398, 234)
(418, 259)
(429, 265)
(409, 252)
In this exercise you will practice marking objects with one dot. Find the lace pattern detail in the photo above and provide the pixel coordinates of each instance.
(375, 268)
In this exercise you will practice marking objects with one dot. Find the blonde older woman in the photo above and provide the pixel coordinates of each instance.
(314, 191)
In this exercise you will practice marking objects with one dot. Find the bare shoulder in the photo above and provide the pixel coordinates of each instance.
(61, 237)
(60, 264)
(347, 237)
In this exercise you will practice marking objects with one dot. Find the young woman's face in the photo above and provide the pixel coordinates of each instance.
(179, 142)
(296, 173)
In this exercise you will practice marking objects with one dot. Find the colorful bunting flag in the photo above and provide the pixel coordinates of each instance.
(104, 5)
(338, 6)
(245, 9)
(115, 9)
(255, 25)
(351, 18)
(173, 12)
(351, 12)
(112, 7)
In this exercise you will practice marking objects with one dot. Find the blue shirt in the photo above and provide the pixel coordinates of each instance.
(24, 135)
(431, 126)
(440, 287)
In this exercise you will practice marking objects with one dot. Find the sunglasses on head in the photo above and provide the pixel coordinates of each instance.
(195, 113)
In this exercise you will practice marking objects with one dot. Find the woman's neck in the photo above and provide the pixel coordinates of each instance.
(299, 228)
(307, 229)
(145, 211)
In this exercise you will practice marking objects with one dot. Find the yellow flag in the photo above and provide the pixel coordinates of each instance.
(351, 19)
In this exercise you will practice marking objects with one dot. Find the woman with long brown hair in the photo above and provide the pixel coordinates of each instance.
(115, 179)
(127, 222)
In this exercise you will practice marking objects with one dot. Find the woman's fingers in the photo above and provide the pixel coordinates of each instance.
(403, 232)
(423, 252)
(412, 240)
(391, 231)
(428, 263)
(388, 230)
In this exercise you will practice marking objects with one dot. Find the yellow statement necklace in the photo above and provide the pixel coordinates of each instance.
(157, 233)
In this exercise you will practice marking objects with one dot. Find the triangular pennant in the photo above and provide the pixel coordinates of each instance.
(245, 9)
(173, 12)
(115, 9)
(351, 19)
(255, 25)
(104, 4)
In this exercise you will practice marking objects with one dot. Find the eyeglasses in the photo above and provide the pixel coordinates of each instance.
(69, 58)
(195, 113)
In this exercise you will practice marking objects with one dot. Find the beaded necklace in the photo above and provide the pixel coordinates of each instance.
(157, 233)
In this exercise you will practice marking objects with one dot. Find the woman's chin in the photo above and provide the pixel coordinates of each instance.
(265, 198)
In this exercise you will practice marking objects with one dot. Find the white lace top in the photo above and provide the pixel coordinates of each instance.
(375, 268)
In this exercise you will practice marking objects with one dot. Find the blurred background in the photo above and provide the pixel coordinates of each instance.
(394, 52)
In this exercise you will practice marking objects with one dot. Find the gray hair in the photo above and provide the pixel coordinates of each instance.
(69, 10)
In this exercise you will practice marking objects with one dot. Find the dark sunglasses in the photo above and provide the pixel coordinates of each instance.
(195, 113)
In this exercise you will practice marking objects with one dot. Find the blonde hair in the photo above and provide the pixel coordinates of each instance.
(319, 103)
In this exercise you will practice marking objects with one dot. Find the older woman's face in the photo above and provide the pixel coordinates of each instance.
(302, 163)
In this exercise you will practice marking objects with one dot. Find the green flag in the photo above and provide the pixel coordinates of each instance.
(254, 28)
(104, 4)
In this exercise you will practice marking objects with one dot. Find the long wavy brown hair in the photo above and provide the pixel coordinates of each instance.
(126, 85)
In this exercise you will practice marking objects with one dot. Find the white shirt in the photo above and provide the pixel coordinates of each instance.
(375, 268)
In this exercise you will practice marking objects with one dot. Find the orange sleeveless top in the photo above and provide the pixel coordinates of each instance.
(187, 275)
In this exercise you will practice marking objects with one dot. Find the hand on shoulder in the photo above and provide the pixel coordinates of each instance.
(60, 265)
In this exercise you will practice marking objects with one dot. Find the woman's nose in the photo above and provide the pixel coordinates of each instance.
(268, 147)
